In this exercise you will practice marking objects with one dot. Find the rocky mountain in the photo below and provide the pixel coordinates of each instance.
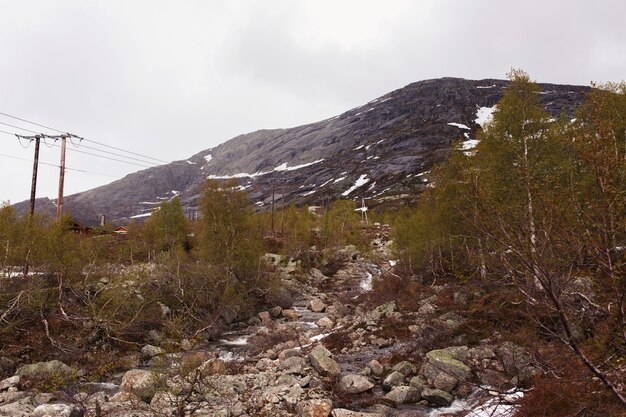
(379, 151)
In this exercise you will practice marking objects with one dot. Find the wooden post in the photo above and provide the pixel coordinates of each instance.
(273, 191)
(61, 176)
(33, 187)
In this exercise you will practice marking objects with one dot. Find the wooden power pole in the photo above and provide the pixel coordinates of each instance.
(33, 186)
(61, 176)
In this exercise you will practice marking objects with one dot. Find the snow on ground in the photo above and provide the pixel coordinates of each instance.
(208, 158)
(484, 115)
(191, 163)
(468, 144)
(358, 147)
(308, 193)
(279, 168)
(459, 125)
(485, 86)
(137, 216)
(326, 183)
(362, 180)
(339, 179)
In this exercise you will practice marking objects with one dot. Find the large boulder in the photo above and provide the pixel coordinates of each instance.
(58, 410)
(140, 382)
(393, 379)
(517, 362)
(316, 305)
(403, 395)
(150, 351)
(321, 360)
(45, 370)
(449, 361)
(354, 384)
(292, 365)
(383, 310)
(20, 408)
(314, 408)
(406, 367)
(376, 367)
(9, 382)
(437, 397)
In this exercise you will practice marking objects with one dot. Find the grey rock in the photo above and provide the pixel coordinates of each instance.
(447, 360)
(151, 351)
(393, 379)
(437, 397)
(325, 323)
(376, 367)
(20, 408)
(314, 408)
(141, 383)
(9, 382)
(445, 382)
(406, 367)
(292, 365)
(276, 311)
(265, 317)
(44, 370)
(58, 410)
(316, 305)
(354, 384)
(403, 395)
(321, 360)
(383, 310)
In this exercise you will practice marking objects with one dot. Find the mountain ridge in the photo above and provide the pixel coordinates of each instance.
(385, 144)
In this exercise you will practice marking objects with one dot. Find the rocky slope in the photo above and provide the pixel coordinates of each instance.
(376, 151)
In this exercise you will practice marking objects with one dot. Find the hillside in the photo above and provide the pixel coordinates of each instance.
(376, 151)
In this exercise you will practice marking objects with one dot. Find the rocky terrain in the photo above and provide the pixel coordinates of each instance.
(378, 151)
(329, 349)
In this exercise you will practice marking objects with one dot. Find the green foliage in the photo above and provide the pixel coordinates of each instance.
(341, 225)
(230, 236)
(167, 227)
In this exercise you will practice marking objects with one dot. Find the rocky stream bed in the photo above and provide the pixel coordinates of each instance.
(325, 355)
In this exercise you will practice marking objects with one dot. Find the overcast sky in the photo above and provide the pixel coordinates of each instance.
(168, 79)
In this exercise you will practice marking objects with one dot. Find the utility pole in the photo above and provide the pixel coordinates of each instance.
(33, 186)
(61, 176)
(273, 192)
(282, 209)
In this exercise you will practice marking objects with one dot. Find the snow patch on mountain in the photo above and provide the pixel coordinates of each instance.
(484, 115)
(459, 125)
(361, 181)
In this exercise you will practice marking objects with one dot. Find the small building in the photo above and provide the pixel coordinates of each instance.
(120, 230)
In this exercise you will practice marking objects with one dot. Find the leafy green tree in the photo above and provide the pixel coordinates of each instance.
(230, 236)
(341, 224)
(167, 227)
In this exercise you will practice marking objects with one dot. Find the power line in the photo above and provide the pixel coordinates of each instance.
(22, 128)
(58, 166)
(96, 155)
(86, 140)
(106, 157)
(116, 154)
